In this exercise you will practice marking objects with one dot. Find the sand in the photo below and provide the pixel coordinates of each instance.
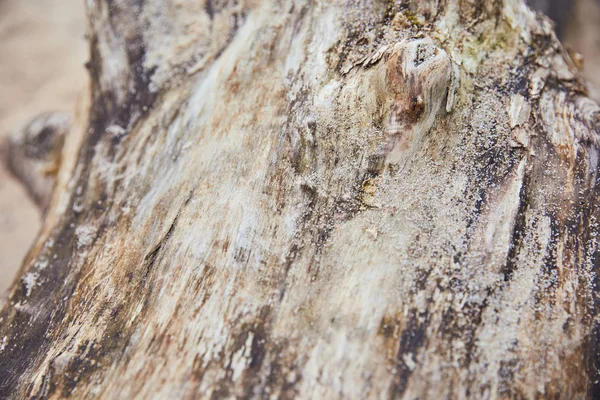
(42, 56)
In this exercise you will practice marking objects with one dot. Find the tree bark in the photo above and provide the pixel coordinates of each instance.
(345, 199)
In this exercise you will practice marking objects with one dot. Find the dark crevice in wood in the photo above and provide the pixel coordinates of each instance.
(520, 228)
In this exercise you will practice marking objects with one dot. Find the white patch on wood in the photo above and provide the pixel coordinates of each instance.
(85, 235)
(518, 111)
(115, 131)
(30, 280)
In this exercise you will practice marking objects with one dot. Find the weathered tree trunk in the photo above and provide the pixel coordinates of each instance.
(359, 199)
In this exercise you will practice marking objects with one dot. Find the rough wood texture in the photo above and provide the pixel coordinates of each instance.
(353, 199)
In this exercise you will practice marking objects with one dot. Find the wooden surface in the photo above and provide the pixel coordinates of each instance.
(317, 199)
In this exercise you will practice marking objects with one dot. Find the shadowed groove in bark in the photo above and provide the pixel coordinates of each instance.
(151, 258)
(413, 338)
(519, 229)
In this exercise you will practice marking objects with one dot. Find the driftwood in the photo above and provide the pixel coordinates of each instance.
(318, 200)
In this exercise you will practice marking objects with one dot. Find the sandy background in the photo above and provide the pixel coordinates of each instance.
(42, 52)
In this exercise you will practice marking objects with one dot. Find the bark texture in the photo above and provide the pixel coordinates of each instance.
(337, 199)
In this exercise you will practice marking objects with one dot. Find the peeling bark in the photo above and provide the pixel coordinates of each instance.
(317, 199)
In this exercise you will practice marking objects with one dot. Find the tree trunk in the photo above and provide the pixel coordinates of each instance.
(359, 199)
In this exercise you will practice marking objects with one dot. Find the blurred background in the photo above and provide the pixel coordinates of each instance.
(42, 56)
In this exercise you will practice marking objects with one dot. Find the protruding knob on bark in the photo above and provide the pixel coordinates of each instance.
(422, 81)
(33, 154)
